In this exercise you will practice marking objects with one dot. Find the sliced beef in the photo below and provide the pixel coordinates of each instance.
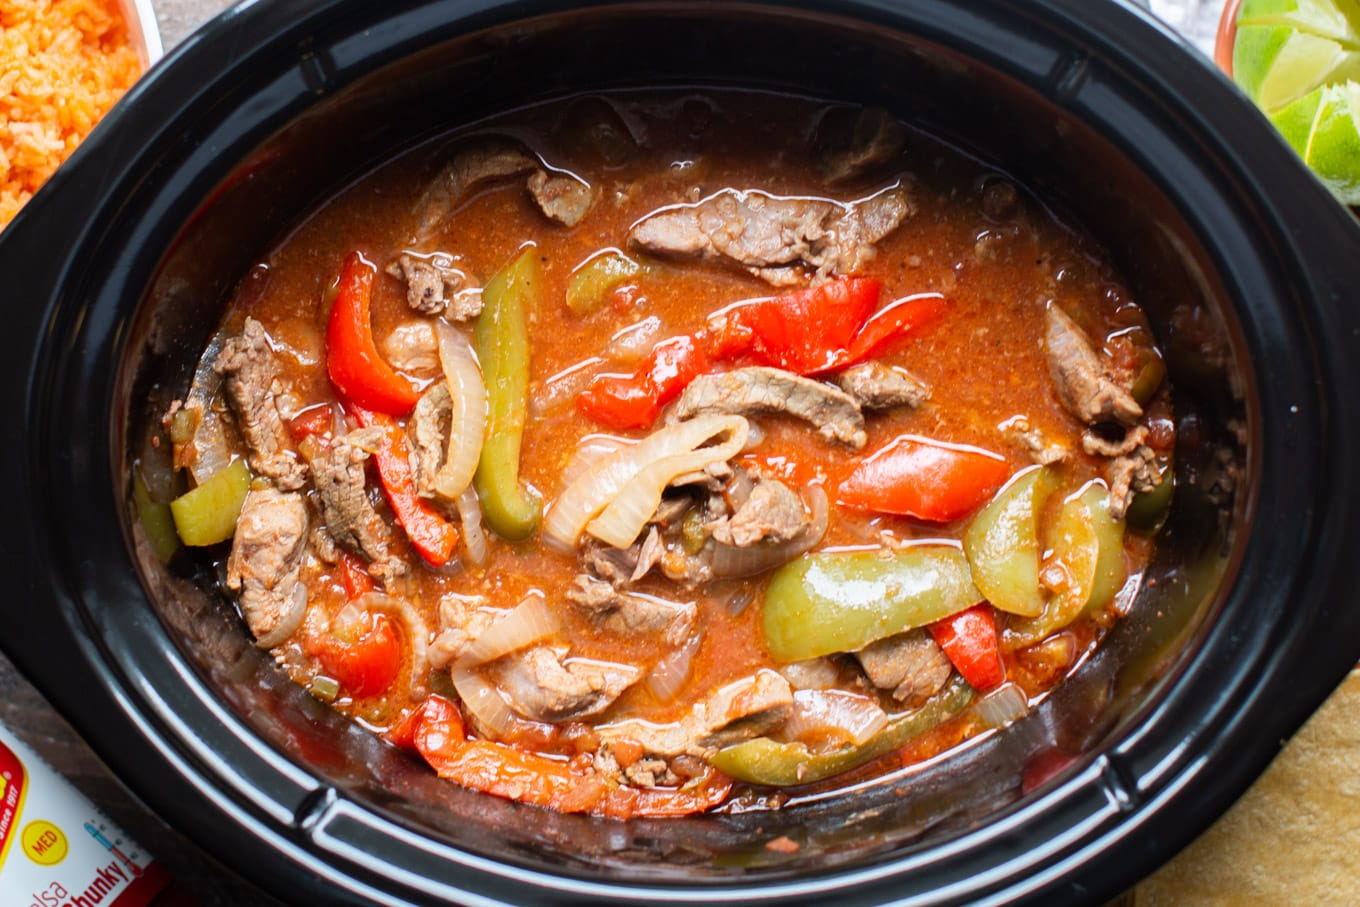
(561, 196)
(772, 511)
(855, 143)
(1087, 386)
(874, 385)
(251, 381)
(540, 684)
(428, 433)
(1129, 474)
(630, 613)
(761, 390)
(350, 517)
(435, 286)
(1029, 439)
(775, 237)
(909, 664)
(751, 707)
(624, 566)
(462, 619)
(487, 160)
(266, 560)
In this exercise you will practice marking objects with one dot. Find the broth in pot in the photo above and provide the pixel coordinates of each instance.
(650, 453)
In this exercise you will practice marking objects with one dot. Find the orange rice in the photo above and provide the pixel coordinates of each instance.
(63, 64)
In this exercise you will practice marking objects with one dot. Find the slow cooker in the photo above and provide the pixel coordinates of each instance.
(116, 272)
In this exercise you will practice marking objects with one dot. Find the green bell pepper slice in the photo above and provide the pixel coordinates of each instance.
(1002, 543)
(501, 338)
(156, 518)
(766, 761)
(1088, 546)
(592, 281)
(828, 602)
(207, 515)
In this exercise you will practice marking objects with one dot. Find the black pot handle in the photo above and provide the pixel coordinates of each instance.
(35, 256)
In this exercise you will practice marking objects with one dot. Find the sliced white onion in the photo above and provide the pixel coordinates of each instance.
(1004, 705)
(631, 509)
(467, 427)
(411, 347)
(483, 702)
(673, 670)
(734, 560)
(629, 345)
(290, 622)
(590, 452)
(560, 389)
(530, 621)
(474, 536)
(819, 715)
(417, 631)
(566, 518)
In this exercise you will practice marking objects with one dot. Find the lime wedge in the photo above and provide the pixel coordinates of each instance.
(1299, 60)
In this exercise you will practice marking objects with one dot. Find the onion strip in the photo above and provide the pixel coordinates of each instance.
(474, 536)
(839, 715)
(530, 621)
(567, 517)
(628, 513)
(673, 670)
(1004, 705)
(734, 560)
(417, 631)
(483, 702)
(467, 426)
(290, 622)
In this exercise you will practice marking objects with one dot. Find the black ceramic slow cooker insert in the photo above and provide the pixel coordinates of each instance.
(117, 272)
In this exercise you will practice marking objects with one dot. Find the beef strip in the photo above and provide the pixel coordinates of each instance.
(775, 237)
(561, 196)
(350, 516)
(462, 619)
(435, 286)
(265, 564)
(874, 385)
(763, 390)
(490, 159)
(428, 433)
(630, 613)
(851, 147)
(1129, 474)
(771, 512)
(909, 664)
(748, 708)
(539, 684)
(1087, 386)
(251, 380)
(1029, 439)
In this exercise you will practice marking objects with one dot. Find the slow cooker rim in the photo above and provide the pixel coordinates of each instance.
(130, 692)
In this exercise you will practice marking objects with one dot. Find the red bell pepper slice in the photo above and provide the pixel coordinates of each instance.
(432, 535)
(892, 322)
(634, 401)
(929, 480)
(969, 639)
(354, 576)
(367, 665)
(436, 731)
(352, 358)
(314, 421)
(803, 331)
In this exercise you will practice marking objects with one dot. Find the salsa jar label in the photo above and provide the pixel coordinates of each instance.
(57, 849)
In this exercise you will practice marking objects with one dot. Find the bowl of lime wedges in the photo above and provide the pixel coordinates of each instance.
(1299, 61)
